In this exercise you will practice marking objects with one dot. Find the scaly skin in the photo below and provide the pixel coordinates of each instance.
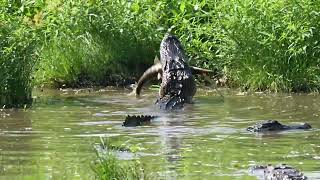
(178, 86)
(280, 172)
(137, 120)
(273, 125)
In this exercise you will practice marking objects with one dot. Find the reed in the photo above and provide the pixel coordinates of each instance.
(18, 44)
(108, 166)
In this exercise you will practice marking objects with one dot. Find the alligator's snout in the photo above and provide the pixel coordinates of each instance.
(172, 55)
(273, 125)
(170, 39)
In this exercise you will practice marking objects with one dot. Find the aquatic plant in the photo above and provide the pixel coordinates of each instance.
(108, 166)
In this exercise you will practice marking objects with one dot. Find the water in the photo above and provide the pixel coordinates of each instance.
(206, 140)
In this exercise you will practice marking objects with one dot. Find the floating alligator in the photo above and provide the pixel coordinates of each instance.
(134, 120)
(273, 125)
(280, 172)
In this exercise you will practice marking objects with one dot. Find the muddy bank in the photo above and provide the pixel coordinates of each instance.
(127, 81)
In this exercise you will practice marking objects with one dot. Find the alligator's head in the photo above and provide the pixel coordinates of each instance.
(273, 125)
(172, 55)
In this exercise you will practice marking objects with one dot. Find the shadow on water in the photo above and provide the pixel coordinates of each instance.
(206, 140)
(16, 148)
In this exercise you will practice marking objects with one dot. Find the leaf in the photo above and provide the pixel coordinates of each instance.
(182, 6)
(135, 7)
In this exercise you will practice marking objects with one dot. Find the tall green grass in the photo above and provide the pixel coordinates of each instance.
(18, 41)
(257, 45)
(276, 44)
(99, 38)
(91, 41)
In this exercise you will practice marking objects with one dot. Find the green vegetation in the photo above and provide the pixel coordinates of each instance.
(277, 44)
(89, 41)
(17, 57)
(257, 45)
(108, 166)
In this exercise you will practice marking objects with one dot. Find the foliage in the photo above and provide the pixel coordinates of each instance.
(18, 41)
(257, 45)
(92, 40)
(276, 44)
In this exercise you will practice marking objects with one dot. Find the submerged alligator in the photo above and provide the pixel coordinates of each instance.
(273, 125)
(134, 120)
(280, 172)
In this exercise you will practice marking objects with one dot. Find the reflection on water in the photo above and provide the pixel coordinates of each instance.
(206, 140)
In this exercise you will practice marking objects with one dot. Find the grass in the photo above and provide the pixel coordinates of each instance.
(258, 45)
(108, 166)
(276, 45)
(97, 47)
(17, 58)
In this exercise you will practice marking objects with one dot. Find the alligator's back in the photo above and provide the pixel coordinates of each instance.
(177, 88)
(279, 172)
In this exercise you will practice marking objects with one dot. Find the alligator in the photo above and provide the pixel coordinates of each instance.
(280, 172)
(273, 125)
(137, 120)
(178, 85)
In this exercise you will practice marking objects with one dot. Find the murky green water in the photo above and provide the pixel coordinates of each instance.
(207, 140)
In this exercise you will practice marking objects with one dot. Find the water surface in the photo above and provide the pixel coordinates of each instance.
(206, 140)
